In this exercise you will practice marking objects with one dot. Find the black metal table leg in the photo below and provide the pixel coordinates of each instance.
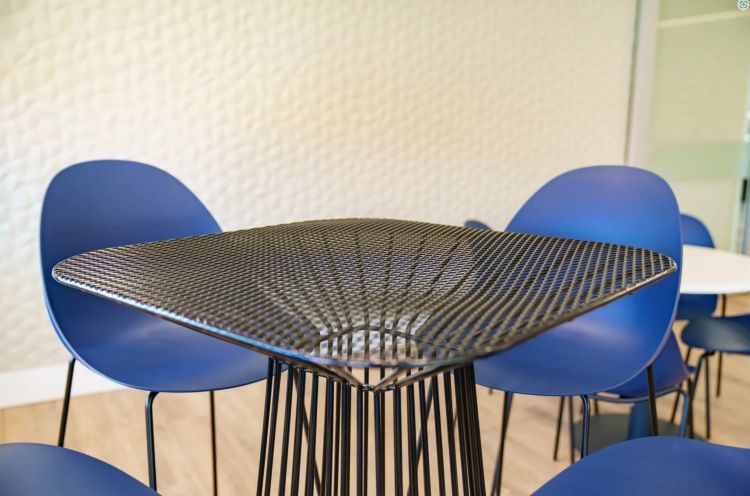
(311, 437)
(297, 454)
(455, 411)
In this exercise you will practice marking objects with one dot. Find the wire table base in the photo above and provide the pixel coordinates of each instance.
(332, 435)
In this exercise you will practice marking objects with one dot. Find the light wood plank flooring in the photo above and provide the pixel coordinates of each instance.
(110, 426)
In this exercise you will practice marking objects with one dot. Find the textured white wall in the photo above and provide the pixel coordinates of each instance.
(278, 110)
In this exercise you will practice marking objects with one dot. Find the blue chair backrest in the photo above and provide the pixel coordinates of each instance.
(106, 203)
(475, 224)
(694, 232)
(624, 205)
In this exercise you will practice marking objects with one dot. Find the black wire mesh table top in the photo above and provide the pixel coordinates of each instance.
(367, 292)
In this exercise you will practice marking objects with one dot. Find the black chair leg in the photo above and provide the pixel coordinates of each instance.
(213, 444)
(66, 403)
(498, 477)
(570, 429)
(708, 400)
(718, 374)
(721, 355)
(586, 425)
(558, 427)
(677, 396)
(685, 409)
(692, 387)
(652, 400)
(150, 439)
(674, 406)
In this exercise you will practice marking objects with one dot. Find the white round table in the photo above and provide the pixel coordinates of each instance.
(710, 271)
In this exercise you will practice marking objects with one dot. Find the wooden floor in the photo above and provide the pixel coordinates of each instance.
(110, 426)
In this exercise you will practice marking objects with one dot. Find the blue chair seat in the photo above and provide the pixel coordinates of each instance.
(669, 371)
(726, 334)
(186, 361)
(561, 363)
(656, 465)
(28, 469)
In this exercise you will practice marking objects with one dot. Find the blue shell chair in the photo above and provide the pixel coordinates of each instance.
(714, 334)
(107, 203)
(691, 307)
(611, 346)
(667, 369)
(667, 466)
(29, 469)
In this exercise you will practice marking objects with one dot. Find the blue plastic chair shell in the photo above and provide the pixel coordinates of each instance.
(107, 203)
(612, 345)
(476, 224)
(29, 469)
(723, 335)
(667, 466)
(694, 232)
(669, 369)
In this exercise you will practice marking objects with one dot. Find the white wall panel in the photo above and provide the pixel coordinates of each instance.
(279, 110)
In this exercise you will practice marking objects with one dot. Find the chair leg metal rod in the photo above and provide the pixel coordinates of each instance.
(652, 400)
(558, 427)
(687, 355)
(150, 444)
(213, 444)
(674, 406)
(708, 400)
(685, 410)
(721, 355)
(66, 403)
(498, 476)
(586, 425)
(719, 374)
(570, 429)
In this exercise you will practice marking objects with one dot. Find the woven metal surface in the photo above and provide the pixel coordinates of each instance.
(363, 292)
